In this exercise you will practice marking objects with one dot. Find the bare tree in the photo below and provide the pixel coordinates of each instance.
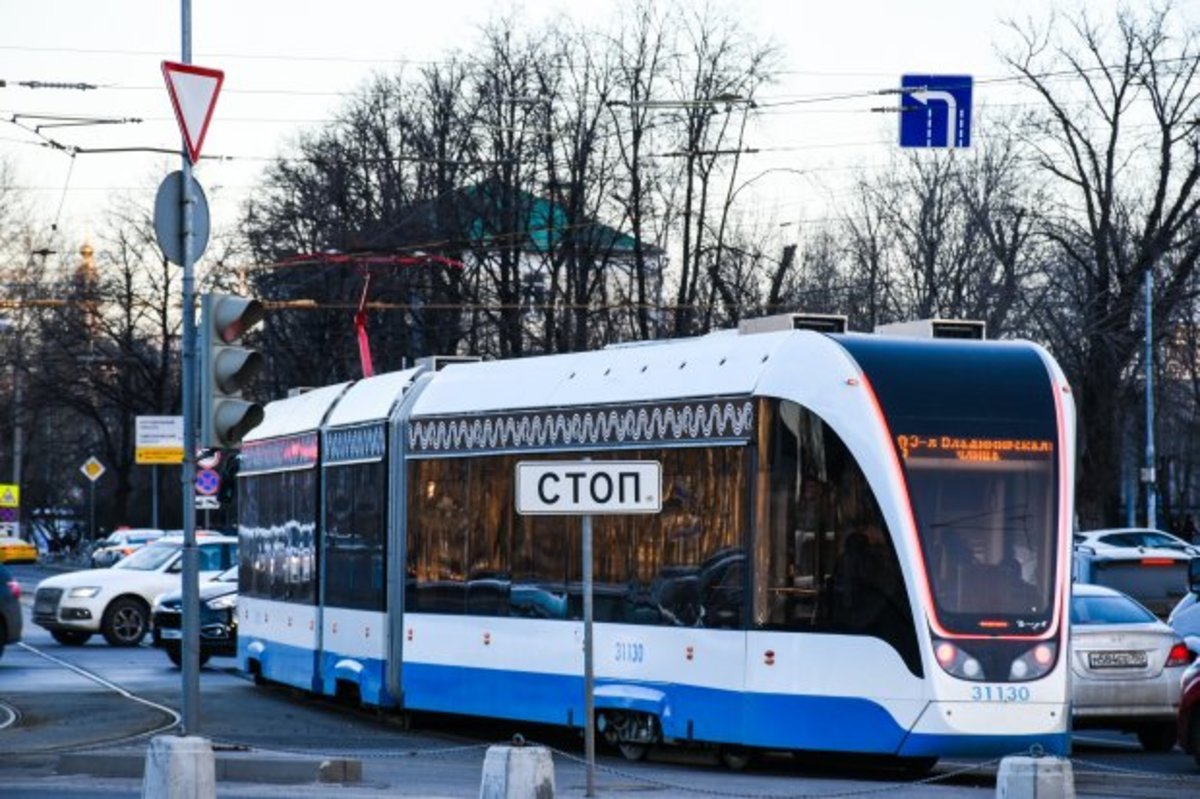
(642, 47)
(1120, 141)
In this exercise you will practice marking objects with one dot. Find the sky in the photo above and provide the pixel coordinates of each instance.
(290, 65)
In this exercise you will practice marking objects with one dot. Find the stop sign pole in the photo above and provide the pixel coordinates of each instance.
(583, 488)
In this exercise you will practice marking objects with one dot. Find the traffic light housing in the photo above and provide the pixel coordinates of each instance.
(225, 368)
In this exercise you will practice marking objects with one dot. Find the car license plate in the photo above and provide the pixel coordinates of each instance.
(1117, 660)
(169, 634)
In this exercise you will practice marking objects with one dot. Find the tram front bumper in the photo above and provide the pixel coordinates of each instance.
(981, 729)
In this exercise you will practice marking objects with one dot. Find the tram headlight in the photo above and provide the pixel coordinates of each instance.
(956, 662)
(1034, 663)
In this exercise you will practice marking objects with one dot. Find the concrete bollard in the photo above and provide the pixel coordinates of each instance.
(179, 768)
(1035, 778)
(517, 772)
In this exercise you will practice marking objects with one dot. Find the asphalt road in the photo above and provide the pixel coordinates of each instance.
(72, 698)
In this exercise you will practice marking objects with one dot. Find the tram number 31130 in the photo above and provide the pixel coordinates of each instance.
(629, 652)
(999, 693)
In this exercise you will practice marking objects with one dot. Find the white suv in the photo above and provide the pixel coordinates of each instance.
(116, 601)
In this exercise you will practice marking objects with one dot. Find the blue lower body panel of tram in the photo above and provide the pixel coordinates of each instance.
(771, 721)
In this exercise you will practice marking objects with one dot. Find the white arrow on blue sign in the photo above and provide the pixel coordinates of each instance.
(935, 110)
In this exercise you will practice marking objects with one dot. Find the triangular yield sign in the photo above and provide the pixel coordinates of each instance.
(194, 95)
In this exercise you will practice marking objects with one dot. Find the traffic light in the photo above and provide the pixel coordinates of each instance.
(225, 367)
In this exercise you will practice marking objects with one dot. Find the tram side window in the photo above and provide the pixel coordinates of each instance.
(824, 558)
(437, 548)
(355, 535)
(490, 520)
(543, 549)
(248, 519)
(683, 567)
(277, 555)
(469, 551)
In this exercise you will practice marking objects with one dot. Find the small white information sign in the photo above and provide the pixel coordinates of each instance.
(159, 440)
(569, 488)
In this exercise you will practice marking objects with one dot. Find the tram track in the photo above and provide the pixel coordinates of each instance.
(161, 718)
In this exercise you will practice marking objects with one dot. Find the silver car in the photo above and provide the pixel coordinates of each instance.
(1126, 667)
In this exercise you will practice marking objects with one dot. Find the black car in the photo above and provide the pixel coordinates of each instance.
(10, 609)
(218, 619)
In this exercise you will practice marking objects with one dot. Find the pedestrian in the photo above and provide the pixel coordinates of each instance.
(1188, 530)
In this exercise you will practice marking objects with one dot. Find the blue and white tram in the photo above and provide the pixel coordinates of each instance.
(863, 547)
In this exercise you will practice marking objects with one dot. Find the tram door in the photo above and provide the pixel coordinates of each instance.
(354, 557)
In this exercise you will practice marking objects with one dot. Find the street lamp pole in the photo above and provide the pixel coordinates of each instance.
(1148, 476)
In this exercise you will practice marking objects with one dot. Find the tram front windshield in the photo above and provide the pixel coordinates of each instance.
(985, 513)
(975, 427)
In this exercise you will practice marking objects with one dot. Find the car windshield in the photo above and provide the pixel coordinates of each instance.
(1108, 610)
(149, 558)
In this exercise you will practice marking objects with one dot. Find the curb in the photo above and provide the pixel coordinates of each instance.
(230, 767)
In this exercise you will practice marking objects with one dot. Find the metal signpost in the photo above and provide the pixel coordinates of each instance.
(585, 488)
(935, 110)
(193, 92)
(208, 483)
(92, 469)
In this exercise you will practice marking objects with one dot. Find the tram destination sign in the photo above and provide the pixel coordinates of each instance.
(571, 488)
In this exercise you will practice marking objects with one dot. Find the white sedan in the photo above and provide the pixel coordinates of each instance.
(1126, 667)
(1148, 565)
(116, 602)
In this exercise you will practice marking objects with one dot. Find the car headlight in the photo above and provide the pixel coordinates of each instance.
(84, 592)
(222, 602)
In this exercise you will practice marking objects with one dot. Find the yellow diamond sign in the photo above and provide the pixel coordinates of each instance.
(10, 495)
(92, 468)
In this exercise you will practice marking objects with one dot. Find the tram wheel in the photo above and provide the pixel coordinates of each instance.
(916, 767)
(735, 758)
(633, 752)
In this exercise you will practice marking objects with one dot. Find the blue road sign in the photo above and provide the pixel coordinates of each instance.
(208, 482)
(935, 111)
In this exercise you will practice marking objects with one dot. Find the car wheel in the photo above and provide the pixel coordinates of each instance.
(1194, 736)
(70, 637)
(124, 622)
(176, 657)
(1158, 737)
